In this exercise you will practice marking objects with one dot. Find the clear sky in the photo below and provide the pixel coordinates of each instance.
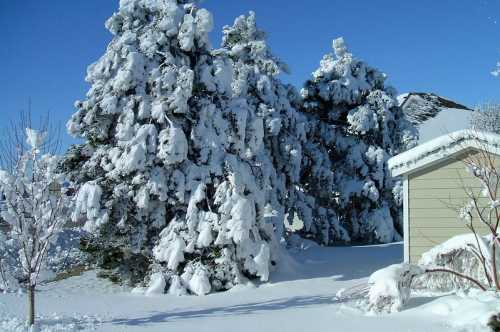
(444, 46)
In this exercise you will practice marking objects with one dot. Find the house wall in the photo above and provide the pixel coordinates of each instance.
(435, 196)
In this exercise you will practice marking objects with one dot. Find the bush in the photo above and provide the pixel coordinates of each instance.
(454, 254)
(390, 287)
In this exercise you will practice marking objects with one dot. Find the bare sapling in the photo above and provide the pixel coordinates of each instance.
(36, 202)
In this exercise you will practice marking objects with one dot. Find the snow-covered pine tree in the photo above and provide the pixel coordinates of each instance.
(354, 127)
(268, 104)
(170, 169)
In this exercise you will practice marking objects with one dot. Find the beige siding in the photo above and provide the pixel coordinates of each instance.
(435, 196)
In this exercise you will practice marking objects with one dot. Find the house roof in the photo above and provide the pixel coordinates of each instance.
(438, 149)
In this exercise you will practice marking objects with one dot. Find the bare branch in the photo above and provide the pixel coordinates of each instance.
(458, 274)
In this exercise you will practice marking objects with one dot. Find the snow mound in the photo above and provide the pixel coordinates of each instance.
(390, 287)
(466, 312)
(199, 283)
(157, 284)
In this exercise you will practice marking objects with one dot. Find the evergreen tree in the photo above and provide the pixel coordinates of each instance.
(174, 169)
(257, 88)
(354, 127)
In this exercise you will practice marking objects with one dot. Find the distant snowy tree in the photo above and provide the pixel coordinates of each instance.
(355, 125)
(486, 118)
(36, 207)
(176, 181)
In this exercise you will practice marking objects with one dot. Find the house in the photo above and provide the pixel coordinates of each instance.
(434, 180)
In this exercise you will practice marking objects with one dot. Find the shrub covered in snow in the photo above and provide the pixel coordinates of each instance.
(354, 126)
(450, 266)
(390, 287)
(455, 254)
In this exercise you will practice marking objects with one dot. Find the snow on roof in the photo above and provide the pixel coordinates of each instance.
(442, 147)
(445, 122)
(419, 107)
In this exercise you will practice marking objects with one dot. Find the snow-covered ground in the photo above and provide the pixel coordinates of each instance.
(300, 297)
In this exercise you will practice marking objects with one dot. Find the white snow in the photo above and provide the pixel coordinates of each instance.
(261, 262)
(339, 47)
(390, 287)
(243, 212)
(445, 122)
(88, 206)
(443, 147)
(199, 283)
(205, 238)
(468, 312)
(176, 287)
(173, 146)
(308, 293)
(170, 251)
(157, 284)
(459, 242)
(35, 138)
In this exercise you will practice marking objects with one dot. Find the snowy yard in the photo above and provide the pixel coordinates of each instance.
(195, 165)
(300, 297)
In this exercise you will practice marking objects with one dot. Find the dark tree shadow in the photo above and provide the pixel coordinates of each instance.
(241, 309)
(418, 301)
(339, 263)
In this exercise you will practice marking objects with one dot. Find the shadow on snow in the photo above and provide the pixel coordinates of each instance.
(339, 263)
(241, 309)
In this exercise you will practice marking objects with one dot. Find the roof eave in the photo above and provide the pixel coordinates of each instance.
(399, 165)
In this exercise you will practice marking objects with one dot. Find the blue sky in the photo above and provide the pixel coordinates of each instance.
(447, 46)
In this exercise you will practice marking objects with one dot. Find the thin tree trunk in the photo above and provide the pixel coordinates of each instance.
(31, 305)
(494, 267)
